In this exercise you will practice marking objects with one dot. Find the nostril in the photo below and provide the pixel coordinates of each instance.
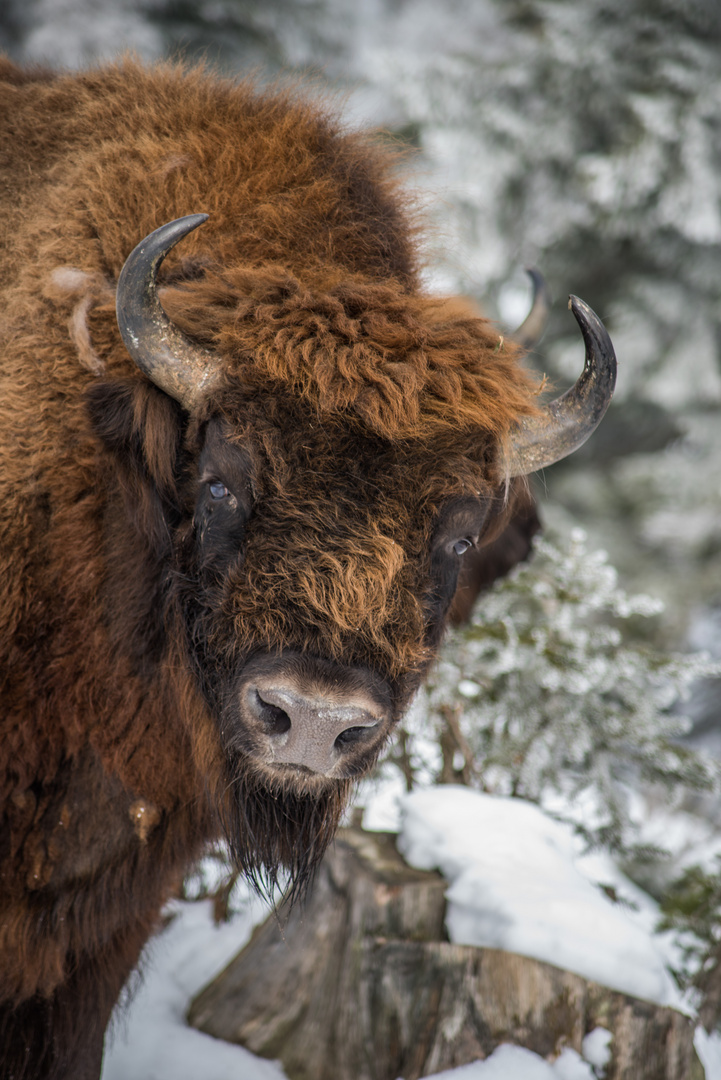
(353, 735)
(275, 719)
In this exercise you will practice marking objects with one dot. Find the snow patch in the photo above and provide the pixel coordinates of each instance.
(149, 1039)
(515, 1063)
(597, 1048)
(708, 1048)
(571, 1066)
(514, 884)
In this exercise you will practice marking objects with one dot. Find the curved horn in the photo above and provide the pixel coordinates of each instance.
(183, 369)
(567, 422)
(530, 332)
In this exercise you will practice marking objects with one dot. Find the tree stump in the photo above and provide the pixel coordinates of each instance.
(360, 985)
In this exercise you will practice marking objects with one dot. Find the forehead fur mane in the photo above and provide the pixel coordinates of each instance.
(304, 279)
(406, 365)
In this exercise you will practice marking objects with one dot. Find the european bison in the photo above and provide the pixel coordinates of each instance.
(230, 530)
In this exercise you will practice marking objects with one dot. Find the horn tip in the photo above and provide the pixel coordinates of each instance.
(575, 303)
(186, 224)
(541, 292)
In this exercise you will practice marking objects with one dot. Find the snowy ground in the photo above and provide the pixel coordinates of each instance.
(517, 880)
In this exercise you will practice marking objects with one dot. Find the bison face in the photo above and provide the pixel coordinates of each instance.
(302, 571)
(314, 581)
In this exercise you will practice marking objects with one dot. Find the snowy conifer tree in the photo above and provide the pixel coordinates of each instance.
(550, 691)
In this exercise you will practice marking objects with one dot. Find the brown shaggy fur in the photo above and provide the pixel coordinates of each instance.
(361, 405)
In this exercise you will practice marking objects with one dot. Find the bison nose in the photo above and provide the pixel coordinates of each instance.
(309, 730)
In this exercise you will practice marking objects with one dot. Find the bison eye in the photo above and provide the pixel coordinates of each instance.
(462, 545)
(218, 490)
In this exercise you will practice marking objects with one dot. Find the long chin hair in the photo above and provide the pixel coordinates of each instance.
(279, 834)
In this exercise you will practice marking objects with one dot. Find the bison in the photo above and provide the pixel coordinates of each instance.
(237, 480)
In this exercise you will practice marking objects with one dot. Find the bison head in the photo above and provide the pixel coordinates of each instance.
(316, 474)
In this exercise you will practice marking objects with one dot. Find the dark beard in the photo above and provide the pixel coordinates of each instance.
(278, 837)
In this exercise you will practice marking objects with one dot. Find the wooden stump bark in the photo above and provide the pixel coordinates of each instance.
(361, 985)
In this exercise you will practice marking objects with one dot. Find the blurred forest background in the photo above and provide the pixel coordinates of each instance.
(583, 139)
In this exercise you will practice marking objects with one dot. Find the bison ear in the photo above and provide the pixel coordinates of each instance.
(508, 543)
(142, 428)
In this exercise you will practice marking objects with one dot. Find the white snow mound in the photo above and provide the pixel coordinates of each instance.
(514, 1063)
(514, 884)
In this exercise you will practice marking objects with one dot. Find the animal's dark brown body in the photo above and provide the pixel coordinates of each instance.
(178, 583)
